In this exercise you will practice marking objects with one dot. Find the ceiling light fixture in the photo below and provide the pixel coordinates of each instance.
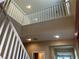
(29, 6)
(29, 39)
(57, 36)
(76, 34)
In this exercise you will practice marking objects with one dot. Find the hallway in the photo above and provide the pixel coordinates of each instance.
(31, 29)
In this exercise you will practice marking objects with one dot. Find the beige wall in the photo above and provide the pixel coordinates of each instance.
(44, 46)
(17, 26)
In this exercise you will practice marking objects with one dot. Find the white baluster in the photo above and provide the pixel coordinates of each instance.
(20, 42)
(21, 53)
(4, 37)
(15, 48)
(18, 52)
(11, 47)
(8, 42)
(1, 28)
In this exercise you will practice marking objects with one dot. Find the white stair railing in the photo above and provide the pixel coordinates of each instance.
(11, 46)
(57, 10)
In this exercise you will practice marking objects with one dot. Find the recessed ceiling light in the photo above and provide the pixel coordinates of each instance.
(76, 33)
(29, 6)
(57, 36)
(29, 39)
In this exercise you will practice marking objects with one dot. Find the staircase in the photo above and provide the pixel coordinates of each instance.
(11, 46)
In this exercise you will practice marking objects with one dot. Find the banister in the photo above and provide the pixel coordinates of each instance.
(40, 15)
(8, 38)
(35, 11)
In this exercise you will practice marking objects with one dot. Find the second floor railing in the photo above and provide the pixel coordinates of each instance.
(51, 13)
(55, 11)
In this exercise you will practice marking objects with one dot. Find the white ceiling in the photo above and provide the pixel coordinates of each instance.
(64, 27)
(36, 4)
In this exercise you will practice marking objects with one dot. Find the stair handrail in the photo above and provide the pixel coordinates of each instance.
(13, 28)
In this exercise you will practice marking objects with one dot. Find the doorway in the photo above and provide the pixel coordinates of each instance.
(62, 52)
(38, 55)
